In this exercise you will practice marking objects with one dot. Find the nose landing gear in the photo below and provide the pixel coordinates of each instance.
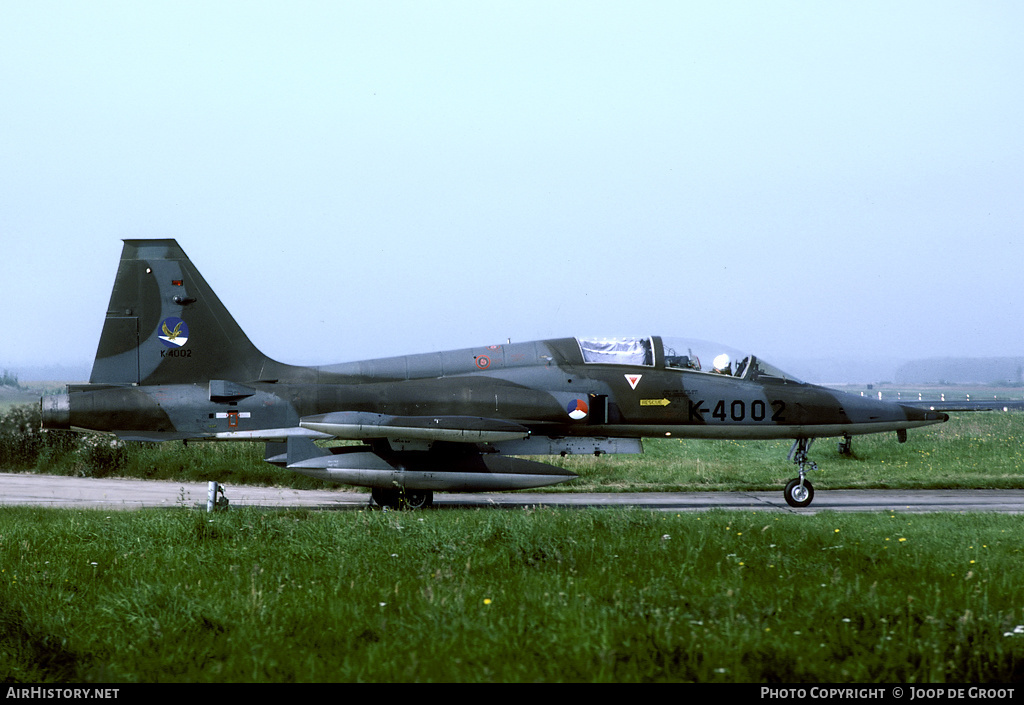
(799, 492)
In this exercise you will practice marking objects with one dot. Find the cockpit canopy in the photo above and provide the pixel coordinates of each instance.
(686, 354)
(618, 351)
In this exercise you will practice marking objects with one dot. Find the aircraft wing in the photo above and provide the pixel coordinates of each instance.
(365, 425)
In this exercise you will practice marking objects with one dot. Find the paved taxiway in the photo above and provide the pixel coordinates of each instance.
(117, 493)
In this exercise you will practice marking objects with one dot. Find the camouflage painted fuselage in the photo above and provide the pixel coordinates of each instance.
(542, 385)
(173, 364)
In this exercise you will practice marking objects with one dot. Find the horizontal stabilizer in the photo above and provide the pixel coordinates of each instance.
(224, 390)
(364, 425)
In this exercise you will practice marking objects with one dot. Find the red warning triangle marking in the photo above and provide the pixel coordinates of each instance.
(633, 380)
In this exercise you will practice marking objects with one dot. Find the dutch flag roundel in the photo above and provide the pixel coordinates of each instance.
(577, 409)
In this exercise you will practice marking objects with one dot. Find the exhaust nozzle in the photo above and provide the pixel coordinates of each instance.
(55, 410)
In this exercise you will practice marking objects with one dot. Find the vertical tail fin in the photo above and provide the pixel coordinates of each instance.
(165, 325)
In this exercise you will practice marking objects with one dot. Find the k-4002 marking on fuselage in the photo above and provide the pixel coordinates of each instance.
(736, 410)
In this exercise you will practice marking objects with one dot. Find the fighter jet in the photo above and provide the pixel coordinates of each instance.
(172, 364)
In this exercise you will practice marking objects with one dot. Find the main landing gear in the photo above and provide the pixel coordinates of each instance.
(398, 498)
(799, 492)
(846, 445)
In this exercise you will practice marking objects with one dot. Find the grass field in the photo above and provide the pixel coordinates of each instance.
(522, 595)
(495, 595)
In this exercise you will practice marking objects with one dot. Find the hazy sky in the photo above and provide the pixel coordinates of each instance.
(365, 179)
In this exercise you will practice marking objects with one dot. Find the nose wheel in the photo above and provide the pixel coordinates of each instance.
(799, 492)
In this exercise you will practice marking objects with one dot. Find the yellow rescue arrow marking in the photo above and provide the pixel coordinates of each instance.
(654, 402)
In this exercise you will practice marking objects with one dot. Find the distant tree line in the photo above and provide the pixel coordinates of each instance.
(9, 379)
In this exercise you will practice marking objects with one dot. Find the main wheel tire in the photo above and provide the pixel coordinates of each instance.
(418, 499)
(797, 496)
(387, 498)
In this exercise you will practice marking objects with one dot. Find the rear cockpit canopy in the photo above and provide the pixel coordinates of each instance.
(685, 354)
(617, 351)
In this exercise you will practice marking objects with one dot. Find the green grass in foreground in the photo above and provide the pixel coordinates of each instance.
(493, 595)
